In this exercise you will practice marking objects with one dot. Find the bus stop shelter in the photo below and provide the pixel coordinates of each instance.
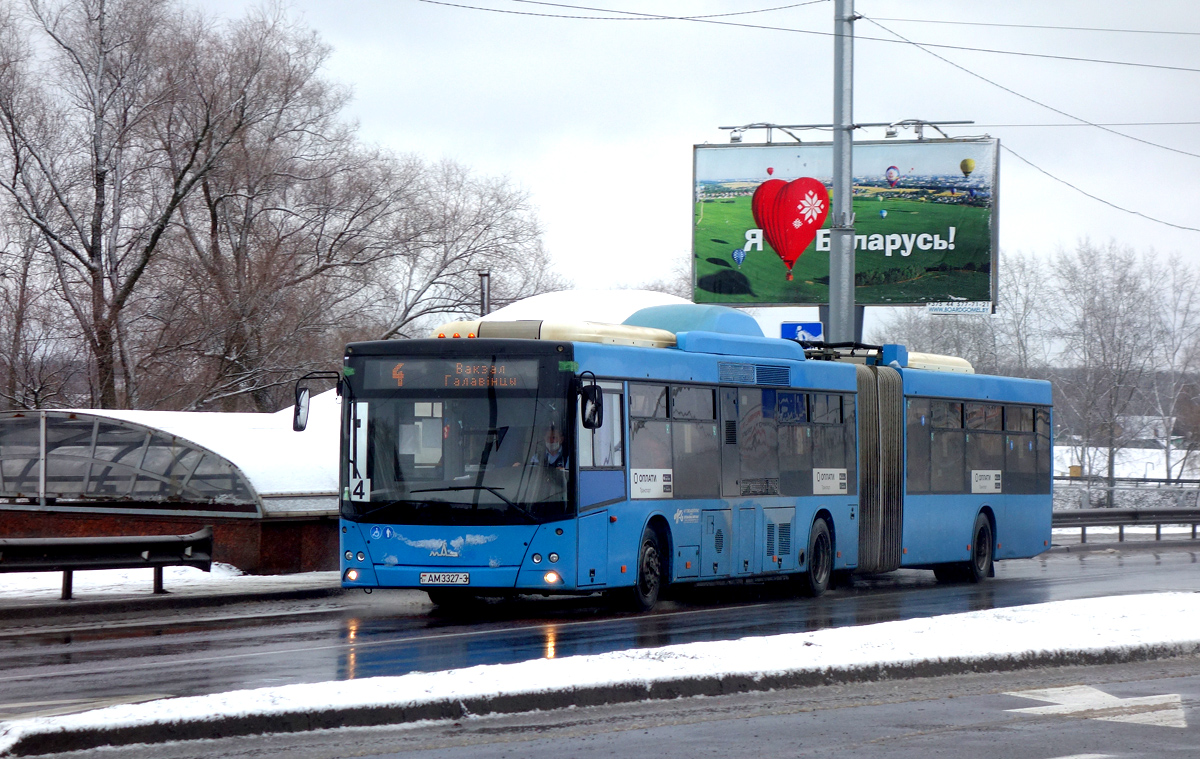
(270, 493)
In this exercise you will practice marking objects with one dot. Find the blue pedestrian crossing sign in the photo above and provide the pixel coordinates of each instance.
(808, 331)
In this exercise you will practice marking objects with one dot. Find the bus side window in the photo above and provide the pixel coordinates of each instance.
(1020, 465)
(851, 435)
(758, 442)
(648, 401)
(918, 424)
(603, 447)
(649, 444)
(946, 472)
(795, 443)
(695, 443)
(1044, 464)
(985, 447)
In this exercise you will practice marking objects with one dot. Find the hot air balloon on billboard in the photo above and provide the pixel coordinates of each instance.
(770, 170)
(883, 213)
(967, 166)
(892, 175)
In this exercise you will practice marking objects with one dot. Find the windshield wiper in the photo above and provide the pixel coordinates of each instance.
(493, 490)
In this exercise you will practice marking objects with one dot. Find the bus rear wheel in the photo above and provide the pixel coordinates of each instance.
(815, 581)
(979, 568)
(983, 543)
(649, 581)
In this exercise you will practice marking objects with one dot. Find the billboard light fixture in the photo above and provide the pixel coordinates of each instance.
(918, 126)
(891, 129)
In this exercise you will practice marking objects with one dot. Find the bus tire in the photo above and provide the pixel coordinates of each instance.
(649, 582)
(983, 548)
(815, 581)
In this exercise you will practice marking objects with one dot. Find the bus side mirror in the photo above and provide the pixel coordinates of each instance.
(300, 412)
(591, 406)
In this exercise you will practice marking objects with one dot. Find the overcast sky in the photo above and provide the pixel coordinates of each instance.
(597, 118)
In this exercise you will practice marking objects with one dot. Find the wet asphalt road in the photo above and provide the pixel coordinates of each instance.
(80, 663)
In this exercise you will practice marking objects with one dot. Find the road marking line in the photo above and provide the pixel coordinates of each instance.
(1091, 703)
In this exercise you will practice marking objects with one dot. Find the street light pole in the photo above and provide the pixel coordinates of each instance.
(842, 327)
(485, 294)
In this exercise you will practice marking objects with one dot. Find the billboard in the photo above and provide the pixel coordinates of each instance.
(925, 222)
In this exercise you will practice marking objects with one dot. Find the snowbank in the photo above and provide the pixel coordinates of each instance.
(1061, 629)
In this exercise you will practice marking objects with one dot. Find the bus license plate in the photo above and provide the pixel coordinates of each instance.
(445, 578)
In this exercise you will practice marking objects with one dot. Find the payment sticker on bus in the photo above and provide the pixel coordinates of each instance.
(830, 482)
(651, 483)
(445, 578)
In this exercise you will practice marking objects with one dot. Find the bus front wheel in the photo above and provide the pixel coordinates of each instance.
(815, 581)
(649, 572)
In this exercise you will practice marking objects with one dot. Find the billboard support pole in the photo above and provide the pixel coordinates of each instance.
(841, 254)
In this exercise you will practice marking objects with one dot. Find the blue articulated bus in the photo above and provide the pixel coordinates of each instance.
(682, 446)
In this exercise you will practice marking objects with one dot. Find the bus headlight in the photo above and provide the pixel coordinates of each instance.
(537, 558)
(553, 558)
(351, 575)
(551, 577)
(349, 555)
(361, 556)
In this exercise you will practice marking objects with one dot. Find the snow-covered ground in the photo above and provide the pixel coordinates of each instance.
(110, 583)
(1137, 463)
(1060, 628)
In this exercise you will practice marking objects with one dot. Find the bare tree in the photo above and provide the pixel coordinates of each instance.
(678, 282)
(1176, 309)
(124, 109)
(1106, 327)
(38, 363)
(1011, 341)
(460, 224)
(275, 252)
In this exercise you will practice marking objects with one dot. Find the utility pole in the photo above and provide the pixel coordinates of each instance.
(842, 326)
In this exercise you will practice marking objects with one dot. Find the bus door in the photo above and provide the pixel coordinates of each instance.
(602, 483)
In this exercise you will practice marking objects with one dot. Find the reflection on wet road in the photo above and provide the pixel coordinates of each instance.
(378, 639)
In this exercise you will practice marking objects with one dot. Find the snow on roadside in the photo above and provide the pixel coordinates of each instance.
(109, 583)
(1061, 627)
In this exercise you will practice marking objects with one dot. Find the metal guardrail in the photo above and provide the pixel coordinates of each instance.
(1122, 518)
(132, 552)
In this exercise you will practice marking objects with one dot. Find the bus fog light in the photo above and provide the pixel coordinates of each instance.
(349, 555)
(361, 556)
(537, 558)
(551, 577)
(351, 575)
(553, 558)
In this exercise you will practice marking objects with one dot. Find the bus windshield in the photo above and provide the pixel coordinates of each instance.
(467, 457)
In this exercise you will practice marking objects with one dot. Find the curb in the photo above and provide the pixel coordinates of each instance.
(60, 740)
(58, 608)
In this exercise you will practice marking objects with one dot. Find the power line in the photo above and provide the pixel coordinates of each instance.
(1110, 204)
(743, 25)
(1041, 26)
(1084, 124)
(635, 16)
(1011, 91)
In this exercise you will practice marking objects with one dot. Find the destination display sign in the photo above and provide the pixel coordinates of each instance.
(448, 374)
